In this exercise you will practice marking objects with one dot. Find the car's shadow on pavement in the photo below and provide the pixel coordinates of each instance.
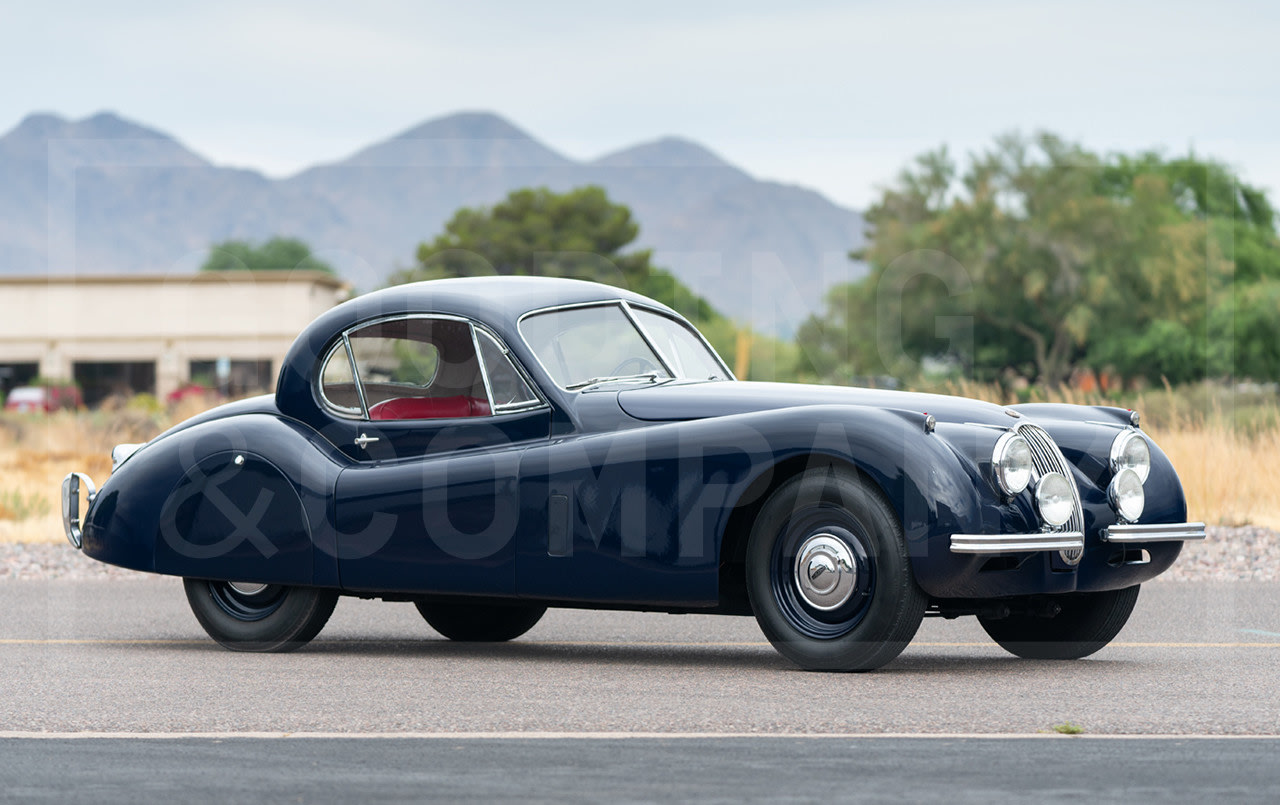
(739, 657)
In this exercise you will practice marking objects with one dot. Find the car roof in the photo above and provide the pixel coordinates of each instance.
(497, 302)
(506, 296)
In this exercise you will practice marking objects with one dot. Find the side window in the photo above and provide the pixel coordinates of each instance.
(510, 391)
(416, 368)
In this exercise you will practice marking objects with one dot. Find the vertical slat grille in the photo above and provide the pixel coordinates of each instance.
(1046, 457)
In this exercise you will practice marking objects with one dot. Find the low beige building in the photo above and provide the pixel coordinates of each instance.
(131, 334)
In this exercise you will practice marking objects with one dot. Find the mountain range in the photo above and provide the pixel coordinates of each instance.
(107, 195)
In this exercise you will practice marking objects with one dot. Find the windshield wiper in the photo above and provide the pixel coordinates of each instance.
(652, 377)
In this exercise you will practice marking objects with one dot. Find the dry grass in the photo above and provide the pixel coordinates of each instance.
(1230, 478)
(36, 453)
(1226, 449)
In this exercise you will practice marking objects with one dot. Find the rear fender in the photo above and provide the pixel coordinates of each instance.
(246, 498)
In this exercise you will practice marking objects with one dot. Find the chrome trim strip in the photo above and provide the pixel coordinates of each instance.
(1017, 543)
(355, 376)
(1153, 532)
(484, 371)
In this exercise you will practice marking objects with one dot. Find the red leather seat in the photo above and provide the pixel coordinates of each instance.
(430, 408)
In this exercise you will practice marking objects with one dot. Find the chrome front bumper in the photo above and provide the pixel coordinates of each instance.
(1073, 540)
(1153, 532)
(71, 505)
(1017, 543)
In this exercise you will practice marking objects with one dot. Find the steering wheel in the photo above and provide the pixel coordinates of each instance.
(642, 365)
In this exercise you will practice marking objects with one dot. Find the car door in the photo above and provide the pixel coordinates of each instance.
(434, 414)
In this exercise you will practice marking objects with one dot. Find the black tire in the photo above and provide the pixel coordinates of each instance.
(871, 614)
(480, 623)
(1086, 623)
(272, 618)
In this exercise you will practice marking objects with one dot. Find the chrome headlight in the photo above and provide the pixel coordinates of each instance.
(1011, 461)
(1054, 500)
(1126, 495)
(1129, 451)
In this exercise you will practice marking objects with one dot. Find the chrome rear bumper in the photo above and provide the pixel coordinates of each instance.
(1017, 543)
(71, 505)
(1153, 532)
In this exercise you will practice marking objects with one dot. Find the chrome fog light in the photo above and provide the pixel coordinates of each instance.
(1129, 451)
(1054, 500)
(1126, 495)
(1011, 461)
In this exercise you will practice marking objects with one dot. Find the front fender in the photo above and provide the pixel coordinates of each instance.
(931, 485)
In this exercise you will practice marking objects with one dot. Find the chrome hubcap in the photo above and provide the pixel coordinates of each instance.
(825, 572)
(246, 588)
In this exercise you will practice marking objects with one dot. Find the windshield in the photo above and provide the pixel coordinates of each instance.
(582, 346)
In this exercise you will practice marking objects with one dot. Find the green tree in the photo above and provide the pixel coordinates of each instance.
(276, 254)
(1042, 256)
(580, 234)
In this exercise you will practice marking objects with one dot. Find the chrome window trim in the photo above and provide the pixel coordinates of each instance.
(484, 370)
(688, 325)
(343, 411)
(539, 400)
(363, 414)
(646, 336)
(355, 376)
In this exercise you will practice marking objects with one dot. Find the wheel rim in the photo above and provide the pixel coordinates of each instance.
(822, 575)
(247, 602)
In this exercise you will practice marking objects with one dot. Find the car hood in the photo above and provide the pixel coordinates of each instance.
(701, 400)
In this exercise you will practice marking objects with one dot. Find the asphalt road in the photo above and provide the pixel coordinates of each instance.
(128, 656)
(706, 770)
(110, 692)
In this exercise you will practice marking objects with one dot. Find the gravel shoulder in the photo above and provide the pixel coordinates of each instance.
(1245, 553)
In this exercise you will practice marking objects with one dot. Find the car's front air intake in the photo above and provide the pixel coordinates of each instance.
(1046, 458)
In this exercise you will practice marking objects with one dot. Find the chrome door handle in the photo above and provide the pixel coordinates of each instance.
(363, 440)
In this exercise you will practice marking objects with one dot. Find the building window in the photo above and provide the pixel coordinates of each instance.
(233, 378)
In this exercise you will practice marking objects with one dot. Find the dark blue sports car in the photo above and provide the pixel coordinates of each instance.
(488, 448)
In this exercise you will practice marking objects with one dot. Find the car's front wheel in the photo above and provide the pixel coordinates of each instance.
(259, 617)
(1082, 625)
(828, 574)
(480, 623)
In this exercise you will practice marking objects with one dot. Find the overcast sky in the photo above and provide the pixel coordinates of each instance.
(837, 96)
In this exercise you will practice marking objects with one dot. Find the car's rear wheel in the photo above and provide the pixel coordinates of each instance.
(259, 617)
(1084, 624)
(480, 623)
(828, 574)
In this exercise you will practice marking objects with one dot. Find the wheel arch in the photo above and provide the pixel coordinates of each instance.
(733, 544)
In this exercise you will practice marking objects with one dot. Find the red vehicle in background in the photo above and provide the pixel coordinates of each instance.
(43, 399)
